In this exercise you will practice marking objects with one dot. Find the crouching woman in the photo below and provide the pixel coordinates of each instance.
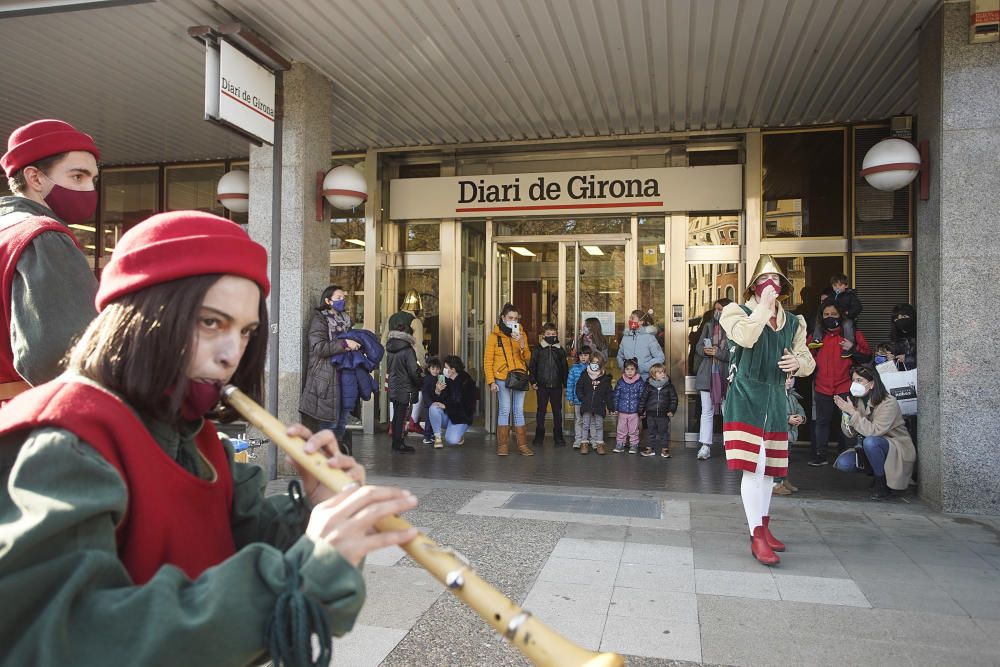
(873, 415)
(128, 534)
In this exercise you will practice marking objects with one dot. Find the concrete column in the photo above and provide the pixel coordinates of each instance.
(307, 140)
(958, 266)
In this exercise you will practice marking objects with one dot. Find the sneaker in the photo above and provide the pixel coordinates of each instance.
(576, 445)
(619, 448)
(781, 490)
(428, 441)
(648, 451)
(438, 441)
(814, 344)
(664, 453)
(634, 449)
(818, 462)
(704, 453)
(788, 485)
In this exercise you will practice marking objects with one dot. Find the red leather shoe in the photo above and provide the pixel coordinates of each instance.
(413, 427)
(761, 550)
(772, 541)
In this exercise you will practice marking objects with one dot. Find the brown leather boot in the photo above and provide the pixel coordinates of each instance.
(600, 448)
(503, 439)
(584, 447)
(521, 435)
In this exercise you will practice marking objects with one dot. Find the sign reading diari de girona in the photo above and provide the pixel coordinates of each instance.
(246, 94)
(710, 188)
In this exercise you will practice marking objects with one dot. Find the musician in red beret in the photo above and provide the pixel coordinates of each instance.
(47, 285)
(128, 533)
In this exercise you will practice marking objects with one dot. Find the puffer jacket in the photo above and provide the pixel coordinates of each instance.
(658, 401)
(503, 354)
(596, 396)
(641, 345)
(402, 368)
(627, 395)
(575, 372)
(794, 408)
(548, 366)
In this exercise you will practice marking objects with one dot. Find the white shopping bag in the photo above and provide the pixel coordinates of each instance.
(886, 367)
(903, 387)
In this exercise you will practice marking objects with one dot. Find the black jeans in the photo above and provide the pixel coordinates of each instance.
(400, 416)
(828, 417)
(658, 434)
(549, 396)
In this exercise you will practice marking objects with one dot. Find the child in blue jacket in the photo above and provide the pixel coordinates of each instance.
(627, 395)
(582, 359)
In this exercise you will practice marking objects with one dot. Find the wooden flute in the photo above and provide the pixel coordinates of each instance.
(542, 645)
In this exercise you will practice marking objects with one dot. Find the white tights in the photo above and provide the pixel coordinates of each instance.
(756, 490)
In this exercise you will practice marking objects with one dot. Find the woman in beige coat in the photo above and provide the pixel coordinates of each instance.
(874, 415)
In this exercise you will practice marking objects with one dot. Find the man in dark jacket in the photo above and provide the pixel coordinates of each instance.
(48, 285)
(404, 382)
(547, 371)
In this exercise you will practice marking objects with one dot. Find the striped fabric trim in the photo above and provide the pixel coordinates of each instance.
(751, 466)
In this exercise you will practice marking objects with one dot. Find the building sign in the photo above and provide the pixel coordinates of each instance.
(711, 188)
(241, 95)
(606, 318)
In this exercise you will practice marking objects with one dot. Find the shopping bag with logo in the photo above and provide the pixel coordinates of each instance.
(903, 387)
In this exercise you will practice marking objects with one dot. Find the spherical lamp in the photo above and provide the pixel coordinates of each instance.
(233, 191)
(345, 187)
(891, 164)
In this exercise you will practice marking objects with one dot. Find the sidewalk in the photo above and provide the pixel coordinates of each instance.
(666, 578)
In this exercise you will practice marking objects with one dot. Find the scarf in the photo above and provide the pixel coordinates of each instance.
(594, 375)
(336, 323)
(658, 384)
(633, 380)
(717, 388)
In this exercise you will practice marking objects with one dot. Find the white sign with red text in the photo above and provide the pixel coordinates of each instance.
(246, 93)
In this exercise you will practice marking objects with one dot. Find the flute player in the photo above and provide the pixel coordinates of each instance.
(128, 535)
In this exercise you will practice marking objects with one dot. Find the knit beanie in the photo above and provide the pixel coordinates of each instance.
(41, 139)
(180, 244)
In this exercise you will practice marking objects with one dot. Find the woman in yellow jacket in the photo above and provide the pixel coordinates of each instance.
(507, 350)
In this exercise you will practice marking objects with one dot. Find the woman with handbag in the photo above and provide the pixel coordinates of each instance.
(874, 416)
(505, 365)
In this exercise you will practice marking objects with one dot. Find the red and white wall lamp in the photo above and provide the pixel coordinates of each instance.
(892, 164)
(344, 187)
(233, 191)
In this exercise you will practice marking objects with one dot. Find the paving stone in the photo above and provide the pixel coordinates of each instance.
(847, 650)
(653, 637)
(880, 569)
(980, 580)
(978, 607)
(397, 596)
(942, 554)
(365, 646)
(584, 531)
(758, 585)
(657, 554)
(446, 500)
(584, 629)
(549, 598)
(578, 571)
(601, 550)
(724, 524)
(899, 595)
(796, 563)
(730, 561)
(674, 538)
(656, 577)
(640, 604)
(385, 557)
(821, 591)
(935, 656)
(725, 640)
(714, 541)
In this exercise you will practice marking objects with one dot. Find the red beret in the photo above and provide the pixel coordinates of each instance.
(41, 139)
(180, 244)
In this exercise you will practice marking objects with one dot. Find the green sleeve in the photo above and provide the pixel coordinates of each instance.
(52, 302)
(275, 520)
(68, 599)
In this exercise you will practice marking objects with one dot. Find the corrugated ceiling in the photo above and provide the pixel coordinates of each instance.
(417, 72)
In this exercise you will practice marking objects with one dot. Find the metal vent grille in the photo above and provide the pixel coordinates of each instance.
(551, 502)
(877, 213)
(882, 281)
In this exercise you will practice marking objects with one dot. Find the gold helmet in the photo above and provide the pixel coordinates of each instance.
(766, 264)
(412, 302)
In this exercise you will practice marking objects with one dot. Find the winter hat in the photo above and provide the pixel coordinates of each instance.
(180, 244)
(41, 139)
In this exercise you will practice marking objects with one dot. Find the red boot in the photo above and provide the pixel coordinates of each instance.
(760, 549)
(413, 427)
(772, 541)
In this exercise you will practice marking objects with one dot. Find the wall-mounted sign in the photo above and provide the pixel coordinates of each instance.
(712, 188)
(677, 312)
(239, 92)
(606, 318)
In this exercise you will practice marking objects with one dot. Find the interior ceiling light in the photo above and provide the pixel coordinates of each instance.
(355, 242)
(593, 250)
(523, 252)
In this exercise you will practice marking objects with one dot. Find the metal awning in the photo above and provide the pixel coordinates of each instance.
(425, 72)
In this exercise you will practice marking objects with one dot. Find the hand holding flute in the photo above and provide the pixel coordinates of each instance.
(346, 520)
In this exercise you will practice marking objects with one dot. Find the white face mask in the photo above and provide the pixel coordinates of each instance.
(858, 389)
(595, 367)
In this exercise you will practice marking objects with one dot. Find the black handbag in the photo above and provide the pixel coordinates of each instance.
(517, 380)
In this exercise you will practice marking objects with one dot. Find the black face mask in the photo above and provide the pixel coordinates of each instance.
(904, 326)
(831, 322)
(552, 340)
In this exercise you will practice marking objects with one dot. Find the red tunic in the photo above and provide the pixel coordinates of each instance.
(14, 238)
(172, 517)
